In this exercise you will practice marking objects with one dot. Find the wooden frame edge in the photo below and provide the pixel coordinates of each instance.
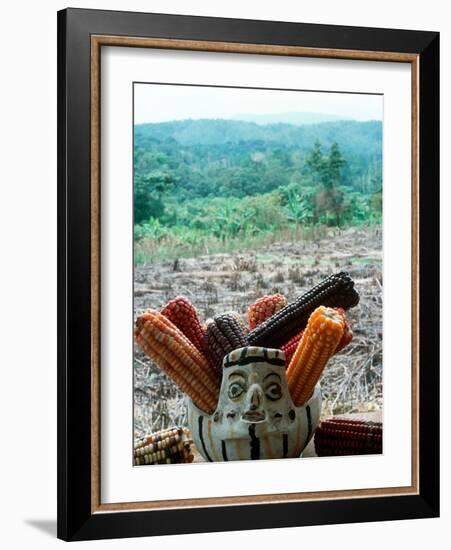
(98, 40)
(255, 499)
(110, 40)
(95, 276)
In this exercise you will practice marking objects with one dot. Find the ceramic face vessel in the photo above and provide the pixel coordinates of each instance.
(255, 417)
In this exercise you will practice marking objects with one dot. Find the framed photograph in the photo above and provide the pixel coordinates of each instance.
(248, 274)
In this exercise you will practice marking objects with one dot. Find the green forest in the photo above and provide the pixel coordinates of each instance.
(207, 186)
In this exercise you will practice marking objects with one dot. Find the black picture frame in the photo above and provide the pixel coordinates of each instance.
(76, 518)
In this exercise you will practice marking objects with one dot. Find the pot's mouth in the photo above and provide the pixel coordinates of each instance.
(254, 417)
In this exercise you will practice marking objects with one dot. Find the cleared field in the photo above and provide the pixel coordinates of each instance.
(352, 381)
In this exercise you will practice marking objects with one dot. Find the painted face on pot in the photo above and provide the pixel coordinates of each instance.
(254, 391)
(255, 417)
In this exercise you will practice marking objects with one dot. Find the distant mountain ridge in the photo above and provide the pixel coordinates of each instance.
(353, 136)
(297, 119)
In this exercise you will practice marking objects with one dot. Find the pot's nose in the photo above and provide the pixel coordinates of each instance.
(254, 411)
(255, 398)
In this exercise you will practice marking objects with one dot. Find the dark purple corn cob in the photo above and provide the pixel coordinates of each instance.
(342, 437)
(223, 334)
(335, 291)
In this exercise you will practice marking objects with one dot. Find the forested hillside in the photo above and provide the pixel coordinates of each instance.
(203, 185)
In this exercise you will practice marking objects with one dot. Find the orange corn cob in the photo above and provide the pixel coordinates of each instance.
(321, 337)
(264, 308)
(169, 348)
(197, 360)
(174, 369)
(290, 347)
(184, 316)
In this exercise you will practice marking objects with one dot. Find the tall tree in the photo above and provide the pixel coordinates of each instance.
(328, 173)
(316, 162)
(332, 181)
(149, 191)
(334, 164)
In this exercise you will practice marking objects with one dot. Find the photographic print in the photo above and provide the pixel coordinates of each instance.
(257, 273)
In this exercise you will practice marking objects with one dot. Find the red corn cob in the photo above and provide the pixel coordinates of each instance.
(290, 347)
(343, 436)
(347, 333)
(264, 307)
(184, 316)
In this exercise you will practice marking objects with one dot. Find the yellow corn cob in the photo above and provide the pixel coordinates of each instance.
(322, 335)
(179, 358)
(157, 436)
(168, 446)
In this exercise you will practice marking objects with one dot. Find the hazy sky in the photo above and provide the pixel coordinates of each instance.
(159, 103)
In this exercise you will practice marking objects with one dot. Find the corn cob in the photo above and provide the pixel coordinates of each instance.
(155, 437)
(324, 331)
(241, 321)
(179, 373)
(184, 316)
(199, 362)
(169, 348)
(290, 347)
(200, 365)
(264, 307)
(223, 335)
(342, 436)
(168, 446)
(347, 333)
(335, 291)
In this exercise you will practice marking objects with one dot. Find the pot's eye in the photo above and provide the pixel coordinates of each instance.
(235, 390)
(274, 391)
